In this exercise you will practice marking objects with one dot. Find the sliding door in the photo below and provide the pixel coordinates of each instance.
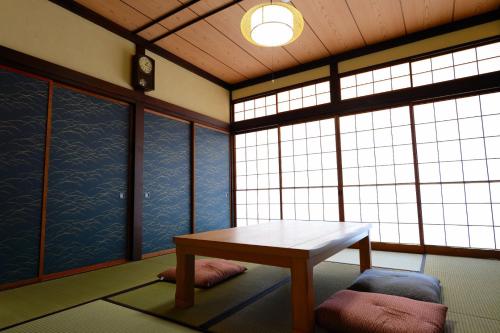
(167, 178)
(378, 174)
(257, 177)
(458, 144)
(212, 205)
(88, 173)
(23, 114)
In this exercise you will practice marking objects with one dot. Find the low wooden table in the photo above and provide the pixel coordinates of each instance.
(298, 245)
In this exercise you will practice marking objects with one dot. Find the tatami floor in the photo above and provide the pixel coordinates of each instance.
(129, 298)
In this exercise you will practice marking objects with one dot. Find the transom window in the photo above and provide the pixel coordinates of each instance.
(294, 99)
(454, 65)
(376, 81)
(451, 66)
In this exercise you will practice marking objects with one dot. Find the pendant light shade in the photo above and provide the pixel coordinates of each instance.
(272, 24)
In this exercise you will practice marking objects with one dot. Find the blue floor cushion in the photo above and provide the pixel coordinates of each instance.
(412, 285)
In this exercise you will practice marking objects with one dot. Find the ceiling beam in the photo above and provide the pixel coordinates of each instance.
(165, 16)
(193, 21)
(109, 25)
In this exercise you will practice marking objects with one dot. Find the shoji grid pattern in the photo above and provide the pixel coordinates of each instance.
(469, 62)
(378, 174)
(303, 97)
(458, 144)
(376, 81)
(257, 177)
(450, 66)
(255, 108)
(309, 171)
(297, 98)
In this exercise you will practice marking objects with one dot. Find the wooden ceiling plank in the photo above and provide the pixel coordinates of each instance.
(152, 32)
(191, 14)
(468, 8)
(424, 14)
(117, 12)
(378, 20)
(207, 38)
(332, 22)
(153, 8)
(206, 6)
(192, 54)
(185, 16)
(195, 20)
(167, 14)
(180, 18)
(307, 47)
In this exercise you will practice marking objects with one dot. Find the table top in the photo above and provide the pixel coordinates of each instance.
(300, 238)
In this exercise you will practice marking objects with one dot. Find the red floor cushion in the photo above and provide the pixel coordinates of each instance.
(207, 272)
(360, 312)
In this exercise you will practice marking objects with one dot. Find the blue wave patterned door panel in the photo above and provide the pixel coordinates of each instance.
(88, 169)
(23, 112)
(212, 180)
(166, 213)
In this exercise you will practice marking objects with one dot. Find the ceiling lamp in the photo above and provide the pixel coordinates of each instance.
(272, 24)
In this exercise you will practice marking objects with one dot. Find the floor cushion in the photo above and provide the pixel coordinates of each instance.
(359, 312)
(413, 285)
(207, 272)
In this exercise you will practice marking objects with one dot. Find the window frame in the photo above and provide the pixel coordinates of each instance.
(336, 109)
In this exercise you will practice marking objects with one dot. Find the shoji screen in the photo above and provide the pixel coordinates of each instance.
(378, 174)
(167, 179)
(309, 171)
(257, 177)
(88, 172)
(23, 113)
(458, 144)
(212, 200)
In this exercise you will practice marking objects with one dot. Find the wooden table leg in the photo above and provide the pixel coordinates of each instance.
(184, 290)
(365, 254)
(302, 296)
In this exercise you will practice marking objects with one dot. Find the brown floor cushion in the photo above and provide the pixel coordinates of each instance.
(207, 272)
(359, 312)
(418, 286)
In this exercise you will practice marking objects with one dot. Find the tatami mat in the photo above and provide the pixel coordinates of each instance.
(394, 260)
(21, 304)
(256, 301)
(159, 298)
(470, 286)
(272, 313)
(462, 323)
(99, 317)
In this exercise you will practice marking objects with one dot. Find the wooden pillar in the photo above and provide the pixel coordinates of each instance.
(193, 177)
(137, 183)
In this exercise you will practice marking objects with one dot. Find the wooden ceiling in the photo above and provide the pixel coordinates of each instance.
(215, 44)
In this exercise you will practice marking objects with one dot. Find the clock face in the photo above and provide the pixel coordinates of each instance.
(145, 64)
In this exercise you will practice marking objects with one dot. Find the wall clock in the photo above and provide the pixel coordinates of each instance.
(143, 72)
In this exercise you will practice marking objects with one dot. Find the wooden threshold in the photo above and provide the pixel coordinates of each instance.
(84, 269)
(158, 253)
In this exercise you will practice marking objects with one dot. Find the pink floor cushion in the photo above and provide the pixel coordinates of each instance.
(353, 311)
(207, 272)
